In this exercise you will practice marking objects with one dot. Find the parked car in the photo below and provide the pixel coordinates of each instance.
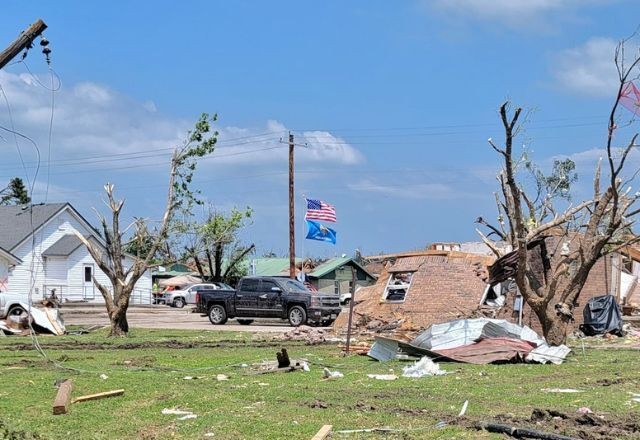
(10, 304)
(186, 295)
(269, 297)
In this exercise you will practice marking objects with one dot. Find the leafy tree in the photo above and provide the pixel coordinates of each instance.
(15, 193)
(199, 142)
(214, 246)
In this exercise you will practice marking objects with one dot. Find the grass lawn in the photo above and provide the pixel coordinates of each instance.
(151, 366)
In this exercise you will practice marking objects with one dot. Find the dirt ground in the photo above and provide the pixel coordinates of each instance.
(163, 317)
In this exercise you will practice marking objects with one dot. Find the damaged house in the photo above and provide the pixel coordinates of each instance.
(417, 289)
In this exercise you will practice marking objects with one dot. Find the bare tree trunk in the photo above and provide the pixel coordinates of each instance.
(119, 323)
(554, 327)
(217, 259)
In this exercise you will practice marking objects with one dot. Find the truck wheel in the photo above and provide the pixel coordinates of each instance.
(16, 311)
(245, 321)
(327, 323)
(297, 316)
(346, 301)
(217, 314)
(178, 302)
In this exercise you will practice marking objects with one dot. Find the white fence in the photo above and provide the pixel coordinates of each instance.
(66, 293)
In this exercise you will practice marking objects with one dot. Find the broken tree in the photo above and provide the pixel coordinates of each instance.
(582, 233)
(199, 143)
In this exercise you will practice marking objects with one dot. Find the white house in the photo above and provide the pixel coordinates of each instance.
(39, 251)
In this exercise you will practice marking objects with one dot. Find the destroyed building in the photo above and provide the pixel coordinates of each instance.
(420, 288)
(417, 289)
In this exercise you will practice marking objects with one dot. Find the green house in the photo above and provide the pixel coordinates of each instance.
(335, 275)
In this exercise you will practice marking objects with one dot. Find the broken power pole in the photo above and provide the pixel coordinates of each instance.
(24, 41)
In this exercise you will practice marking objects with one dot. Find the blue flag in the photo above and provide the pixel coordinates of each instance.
(316, 231)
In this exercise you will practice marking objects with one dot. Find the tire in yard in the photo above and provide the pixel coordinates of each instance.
(245, 321)
(297, 316)
(178, 302)
(217, 314)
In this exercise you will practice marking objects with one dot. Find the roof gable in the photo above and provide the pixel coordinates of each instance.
(17, 222)
(336, 263)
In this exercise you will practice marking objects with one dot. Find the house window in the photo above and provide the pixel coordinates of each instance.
(627, 264)
(87, 274)
(398, 286)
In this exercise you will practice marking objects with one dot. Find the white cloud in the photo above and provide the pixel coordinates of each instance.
(432, 191)
(514, 14)
(94, 120)
(588, 69)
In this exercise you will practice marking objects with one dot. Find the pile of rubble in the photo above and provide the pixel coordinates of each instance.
(310, 335)
(41, 320)
(474, 341)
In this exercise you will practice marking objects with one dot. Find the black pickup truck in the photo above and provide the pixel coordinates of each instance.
(268, 297)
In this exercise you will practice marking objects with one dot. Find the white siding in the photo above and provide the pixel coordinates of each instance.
(4, 273)
(31, 274)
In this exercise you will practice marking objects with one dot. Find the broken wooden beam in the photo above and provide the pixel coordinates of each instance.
(98, 396)
(323, 433)
(63, 398)
(279, 370)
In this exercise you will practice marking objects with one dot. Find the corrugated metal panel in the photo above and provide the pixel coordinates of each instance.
(383, 349)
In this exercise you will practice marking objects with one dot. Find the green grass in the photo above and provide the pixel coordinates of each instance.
(151, 366)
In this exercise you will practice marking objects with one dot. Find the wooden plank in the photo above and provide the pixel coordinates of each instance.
(98, 396)
(63, 398)
(323, 433)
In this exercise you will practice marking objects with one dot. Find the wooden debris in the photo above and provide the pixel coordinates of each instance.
(63, 398)
(98, 396)
(280, 370)
(323, 433)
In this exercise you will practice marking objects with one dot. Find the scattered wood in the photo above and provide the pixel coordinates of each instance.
(280, 370)
(516, 432)
(323, 433)
(63, 398)
(98, 396)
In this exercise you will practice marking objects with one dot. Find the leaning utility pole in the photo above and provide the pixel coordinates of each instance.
(292, 235)
(24, 41)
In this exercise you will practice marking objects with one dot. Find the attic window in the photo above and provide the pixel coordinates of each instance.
(398, 287)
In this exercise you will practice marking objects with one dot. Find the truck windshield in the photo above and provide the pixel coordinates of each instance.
(293, 285)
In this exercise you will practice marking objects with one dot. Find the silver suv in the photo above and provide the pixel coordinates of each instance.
(187, 295)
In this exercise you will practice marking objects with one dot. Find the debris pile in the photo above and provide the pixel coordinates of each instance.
(43, 320)
(310, 335)
(474, 341)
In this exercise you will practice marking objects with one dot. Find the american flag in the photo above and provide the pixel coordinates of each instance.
(319, 210)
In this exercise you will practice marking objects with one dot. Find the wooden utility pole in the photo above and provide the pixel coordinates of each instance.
(292, 234)
(24, 40)
(351, 301)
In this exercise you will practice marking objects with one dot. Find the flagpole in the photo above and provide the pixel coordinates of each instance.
(303, 238)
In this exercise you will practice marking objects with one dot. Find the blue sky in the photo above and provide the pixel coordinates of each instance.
(395, 101)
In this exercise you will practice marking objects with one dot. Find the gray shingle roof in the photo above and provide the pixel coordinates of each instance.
(16, 225)
(63, 247)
